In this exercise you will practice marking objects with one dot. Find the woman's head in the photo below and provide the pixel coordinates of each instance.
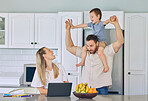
(43, 56)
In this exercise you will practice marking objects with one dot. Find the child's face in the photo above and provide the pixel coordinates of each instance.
(94, 19)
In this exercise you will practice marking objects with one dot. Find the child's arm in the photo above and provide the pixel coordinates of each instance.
(112, 18)
(106, 22)
(77, 26)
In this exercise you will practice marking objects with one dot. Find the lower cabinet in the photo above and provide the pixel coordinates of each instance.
(74, 80)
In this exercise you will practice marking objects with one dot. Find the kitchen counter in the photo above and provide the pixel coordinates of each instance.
(38, 97)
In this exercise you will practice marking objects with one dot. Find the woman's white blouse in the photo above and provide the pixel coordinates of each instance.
(50, 77)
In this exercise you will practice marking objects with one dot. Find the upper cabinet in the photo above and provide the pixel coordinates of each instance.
(21, 30)
(46, 30)
(3, 30)
(36, 30)
(29, 30)
(106, 15)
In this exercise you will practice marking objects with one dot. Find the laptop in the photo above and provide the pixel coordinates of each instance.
(59, 89)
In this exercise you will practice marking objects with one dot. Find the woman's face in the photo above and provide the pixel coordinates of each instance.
(49, 54)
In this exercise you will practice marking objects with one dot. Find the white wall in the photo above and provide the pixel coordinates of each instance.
(72, 5)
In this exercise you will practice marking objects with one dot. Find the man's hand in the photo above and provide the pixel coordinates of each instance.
(67, 24)
(113, 20)
(72, 26)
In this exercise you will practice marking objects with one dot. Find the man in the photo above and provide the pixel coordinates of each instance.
(92, 72)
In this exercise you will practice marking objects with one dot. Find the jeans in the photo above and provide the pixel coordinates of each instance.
(102, 91)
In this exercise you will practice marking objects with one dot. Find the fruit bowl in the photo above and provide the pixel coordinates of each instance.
(85, 95)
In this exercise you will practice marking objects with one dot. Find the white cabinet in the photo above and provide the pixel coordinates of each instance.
(68, 60)
(136, 54)
(29, 30)
(21, 30)
(46, 30)
(3, 30)
(106, 15)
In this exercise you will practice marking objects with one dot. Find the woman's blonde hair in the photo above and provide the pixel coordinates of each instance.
(41, 66)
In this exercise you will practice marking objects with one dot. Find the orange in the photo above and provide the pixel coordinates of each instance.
(90, 90)
(94, 90)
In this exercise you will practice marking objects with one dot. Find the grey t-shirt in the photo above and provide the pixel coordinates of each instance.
(98, 30)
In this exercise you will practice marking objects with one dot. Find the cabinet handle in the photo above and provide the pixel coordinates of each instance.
(68, 73)
(31, 42)
(129, 73)
(35, 43)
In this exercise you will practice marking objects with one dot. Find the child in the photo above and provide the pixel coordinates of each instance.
(98, 29)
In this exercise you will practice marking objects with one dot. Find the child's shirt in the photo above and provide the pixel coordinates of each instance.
(98, 30)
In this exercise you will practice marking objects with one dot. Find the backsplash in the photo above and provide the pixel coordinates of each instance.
(13, 60)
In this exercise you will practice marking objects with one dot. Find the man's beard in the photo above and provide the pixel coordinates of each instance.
(93, 52)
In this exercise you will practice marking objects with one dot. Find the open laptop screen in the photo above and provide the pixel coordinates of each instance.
(59, 89)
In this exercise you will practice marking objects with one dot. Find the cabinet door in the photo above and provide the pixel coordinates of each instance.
(74, 80)
(136, 54)
(21, 30)
(46, 30)
(3, 30)
(68, 60)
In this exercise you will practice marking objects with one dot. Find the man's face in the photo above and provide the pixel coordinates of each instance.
(92, 46)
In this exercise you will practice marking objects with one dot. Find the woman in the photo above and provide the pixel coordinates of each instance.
(47, 71)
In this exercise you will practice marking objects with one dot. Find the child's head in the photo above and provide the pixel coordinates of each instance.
(95, 15)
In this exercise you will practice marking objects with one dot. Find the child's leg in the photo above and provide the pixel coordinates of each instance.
(83, 56)
(103, 58)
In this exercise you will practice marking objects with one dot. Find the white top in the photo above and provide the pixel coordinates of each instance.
(92, 72)
(50, 77)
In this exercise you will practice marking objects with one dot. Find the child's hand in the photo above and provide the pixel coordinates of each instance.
(67, 24)
(72, 26)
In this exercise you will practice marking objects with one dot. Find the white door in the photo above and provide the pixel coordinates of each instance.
(68, 60)
(136, 54)
(46, 30)
(3, 30)
(21, 30)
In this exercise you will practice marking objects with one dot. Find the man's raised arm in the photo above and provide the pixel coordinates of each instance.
(69, 43)
(119, 35)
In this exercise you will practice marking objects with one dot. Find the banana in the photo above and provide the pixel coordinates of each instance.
(79, 90)
(83, 87)
(87, 89)
(86, 84)
(77, 87)
(81, 84)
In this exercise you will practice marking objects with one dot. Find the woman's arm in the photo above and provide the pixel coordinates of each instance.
(42, 90)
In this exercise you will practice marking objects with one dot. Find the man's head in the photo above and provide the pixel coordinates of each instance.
(92, 43)
(95, 15)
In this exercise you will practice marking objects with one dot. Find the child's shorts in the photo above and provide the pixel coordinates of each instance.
(102, 44)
